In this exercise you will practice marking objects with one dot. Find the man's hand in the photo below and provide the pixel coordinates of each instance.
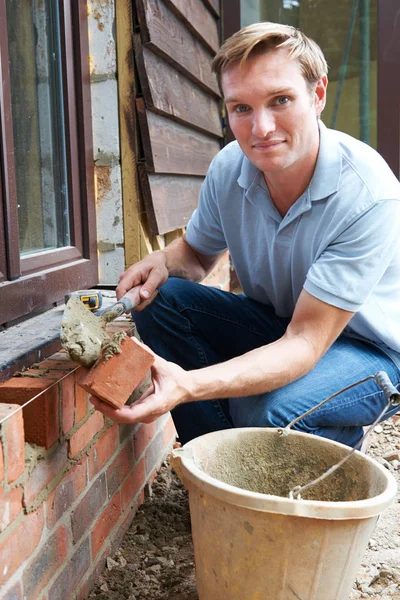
(147, 276)
(166, 391)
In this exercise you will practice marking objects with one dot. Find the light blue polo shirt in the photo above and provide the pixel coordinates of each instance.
(340, 240)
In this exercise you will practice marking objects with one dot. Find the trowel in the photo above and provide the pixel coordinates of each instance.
(83, 333)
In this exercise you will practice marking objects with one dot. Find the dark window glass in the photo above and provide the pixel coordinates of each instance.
(34, 46)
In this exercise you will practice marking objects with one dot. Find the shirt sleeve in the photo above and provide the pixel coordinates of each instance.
(349, 269)
(204, 231)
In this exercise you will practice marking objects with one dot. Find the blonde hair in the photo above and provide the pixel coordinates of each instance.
(261, 38)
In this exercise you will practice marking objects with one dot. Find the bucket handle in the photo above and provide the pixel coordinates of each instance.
(393, 398)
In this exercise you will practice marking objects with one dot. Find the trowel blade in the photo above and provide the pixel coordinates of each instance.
(82, 333)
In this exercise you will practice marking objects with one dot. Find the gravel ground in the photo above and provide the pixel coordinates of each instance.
(155, 560)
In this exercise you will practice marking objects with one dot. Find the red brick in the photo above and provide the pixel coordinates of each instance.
(119, 468)
(45, 563)
(66, 583)
(120, 325)
(44, 472)
(108, 379)
(80, 399)
(84, 435)
(65, 494)
(169, 432)
(88, 508)
(41, 417)
(1, 462)
(102, 450)
(20, 544)
(68, 403)
(143, 437)
(154, 453)
(132, 485)
(14, 440)
(106, 523)
(11, 506)
(87, 586)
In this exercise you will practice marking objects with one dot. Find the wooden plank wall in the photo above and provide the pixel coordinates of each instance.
(177, 105)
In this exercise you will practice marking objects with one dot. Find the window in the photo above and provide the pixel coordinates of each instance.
(346, 30)
(47, 223)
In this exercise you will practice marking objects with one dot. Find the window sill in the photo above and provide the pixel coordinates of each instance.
(34, 340)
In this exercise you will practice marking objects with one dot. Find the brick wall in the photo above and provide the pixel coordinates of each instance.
(70, 482)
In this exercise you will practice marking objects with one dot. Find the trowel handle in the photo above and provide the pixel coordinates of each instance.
(124, 305)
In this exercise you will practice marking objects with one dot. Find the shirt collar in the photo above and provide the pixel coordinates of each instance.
(326, 177)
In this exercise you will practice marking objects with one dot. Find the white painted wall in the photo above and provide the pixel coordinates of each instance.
(104, 92)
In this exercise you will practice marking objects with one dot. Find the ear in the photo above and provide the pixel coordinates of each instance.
(320, 94)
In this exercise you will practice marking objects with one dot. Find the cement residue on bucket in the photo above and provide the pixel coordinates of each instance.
(275, 466)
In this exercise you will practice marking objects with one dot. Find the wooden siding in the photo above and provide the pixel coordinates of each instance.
(178, 105)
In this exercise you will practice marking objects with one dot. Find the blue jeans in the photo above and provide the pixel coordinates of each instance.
(196, 326)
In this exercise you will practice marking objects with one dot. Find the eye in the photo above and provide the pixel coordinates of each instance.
(282, 100)
(241, 108)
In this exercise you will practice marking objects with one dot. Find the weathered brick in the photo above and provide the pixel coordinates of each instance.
(11, 506)
(68, 403)
(12, 432)
(107, 379)
(44, 472)
(154, 452)
(64, 495)
(106, 523)
(143, 437)
(132, 485)
(59, 361)
(86, 587)
(88, 508)
(119, 468)
(66, 583)
(45, 563)
(125, 431)
(41, 417)
(15, 447)
(85, 433)
(102, 450)
(80, 397)
(20, 544)
(15, 593)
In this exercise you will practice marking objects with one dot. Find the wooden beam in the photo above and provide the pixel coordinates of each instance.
(170, 199)
(214, 5)
(128, 129)
(173, 148)
(198, 20)
(168, 37)
(168, 92)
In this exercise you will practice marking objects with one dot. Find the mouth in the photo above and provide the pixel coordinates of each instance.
(267, 145)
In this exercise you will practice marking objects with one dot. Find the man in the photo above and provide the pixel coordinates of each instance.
(311, 218)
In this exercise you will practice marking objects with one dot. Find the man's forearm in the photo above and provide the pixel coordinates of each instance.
(182, 261)
(258, 371)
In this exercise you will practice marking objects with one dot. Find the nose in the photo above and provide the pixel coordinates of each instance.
(263, 123)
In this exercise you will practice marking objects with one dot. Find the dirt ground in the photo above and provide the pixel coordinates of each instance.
(155, 560)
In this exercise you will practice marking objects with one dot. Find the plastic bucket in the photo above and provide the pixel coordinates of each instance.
(251, 541)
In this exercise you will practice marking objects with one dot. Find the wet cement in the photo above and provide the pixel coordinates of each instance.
(82, 333)
(275, 465)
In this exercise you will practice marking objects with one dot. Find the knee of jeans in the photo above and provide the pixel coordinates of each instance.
(145, 318)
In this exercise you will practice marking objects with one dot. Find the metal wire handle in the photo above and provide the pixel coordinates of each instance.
(393, 398)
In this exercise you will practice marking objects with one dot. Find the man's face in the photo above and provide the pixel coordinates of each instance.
(272, 111)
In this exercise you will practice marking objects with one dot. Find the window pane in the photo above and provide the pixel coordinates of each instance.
(346, 30)
(38, 124)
